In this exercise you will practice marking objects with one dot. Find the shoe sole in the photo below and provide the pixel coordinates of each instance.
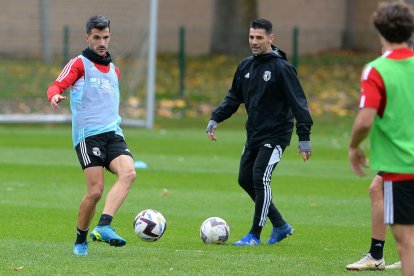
(112, 242)
(246, 244)
(365, 269)
(81, 254)
(393, 267)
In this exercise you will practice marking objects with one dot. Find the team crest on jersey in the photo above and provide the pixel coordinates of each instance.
(267, 75)
(96, 151)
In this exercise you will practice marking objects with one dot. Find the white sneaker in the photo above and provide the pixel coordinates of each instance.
(367, 263)
(396, 265)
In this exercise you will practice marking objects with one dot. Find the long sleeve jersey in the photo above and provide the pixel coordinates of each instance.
(71, 73)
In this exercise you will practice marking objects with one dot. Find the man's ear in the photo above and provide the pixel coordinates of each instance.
(271, 38)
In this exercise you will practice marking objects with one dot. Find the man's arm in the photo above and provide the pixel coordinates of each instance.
(291, 87)
(360, 131)
(70, 74)
(228, 106)
(231, 102)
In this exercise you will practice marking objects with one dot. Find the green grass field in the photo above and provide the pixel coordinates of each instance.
(41, 186)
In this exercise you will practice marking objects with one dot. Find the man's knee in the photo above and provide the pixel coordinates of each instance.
(129, 175)
(123, 167)
(95, 195)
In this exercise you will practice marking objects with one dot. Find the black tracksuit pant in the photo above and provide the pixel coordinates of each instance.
(255, 173)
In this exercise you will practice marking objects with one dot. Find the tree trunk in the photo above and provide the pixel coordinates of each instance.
(231, 26)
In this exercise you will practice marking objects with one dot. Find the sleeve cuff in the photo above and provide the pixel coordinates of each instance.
(304, 137)
(53, 90)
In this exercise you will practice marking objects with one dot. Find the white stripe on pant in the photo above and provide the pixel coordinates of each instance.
(388, 203)
(274, 159)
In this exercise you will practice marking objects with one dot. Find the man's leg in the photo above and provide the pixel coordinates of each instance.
(123, 167)
(404, 235)
(257, 168)
(379, 229)
(265, 163)
(94, 189)
(374, 259)
(399, 213)
(245, 180)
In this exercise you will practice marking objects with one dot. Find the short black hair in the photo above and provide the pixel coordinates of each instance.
(262, 24)
(394, 21)
(99, 22)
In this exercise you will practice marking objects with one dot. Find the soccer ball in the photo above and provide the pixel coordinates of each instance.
(149, 225)
(214, 230)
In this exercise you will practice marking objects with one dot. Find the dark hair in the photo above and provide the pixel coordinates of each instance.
(99, 22)
(262, 24)
(394, 21)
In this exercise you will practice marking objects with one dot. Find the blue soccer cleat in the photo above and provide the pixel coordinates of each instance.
(247, 240)
(279, 233)
(107, 234)
(81, 249)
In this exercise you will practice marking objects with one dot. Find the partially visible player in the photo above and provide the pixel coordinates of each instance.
(96, 133)
(386, 111)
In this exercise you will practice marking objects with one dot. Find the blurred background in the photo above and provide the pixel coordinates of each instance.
(195, 47)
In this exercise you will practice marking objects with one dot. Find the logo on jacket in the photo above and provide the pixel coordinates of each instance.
(247, 76)
(267, 75)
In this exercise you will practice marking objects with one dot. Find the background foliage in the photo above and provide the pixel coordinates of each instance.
(330, 80)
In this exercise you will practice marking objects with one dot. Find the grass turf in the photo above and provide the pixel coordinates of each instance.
(189, 179)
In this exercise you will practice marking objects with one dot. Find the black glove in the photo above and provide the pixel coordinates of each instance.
(305, 146)
(211, 125)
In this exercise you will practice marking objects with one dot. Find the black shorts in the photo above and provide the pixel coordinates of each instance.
(101, 149)
(399, 202)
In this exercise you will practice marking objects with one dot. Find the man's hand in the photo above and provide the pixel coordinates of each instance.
(357, 160)
(211, 127)
(55, 100)
(305, 148)
(360, 131)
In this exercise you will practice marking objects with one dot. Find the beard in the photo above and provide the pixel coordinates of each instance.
(99, 50)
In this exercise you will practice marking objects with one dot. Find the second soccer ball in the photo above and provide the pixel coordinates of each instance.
(214, 230)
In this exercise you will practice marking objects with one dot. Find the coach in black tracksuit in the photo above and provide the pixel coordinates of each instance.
(273, 96)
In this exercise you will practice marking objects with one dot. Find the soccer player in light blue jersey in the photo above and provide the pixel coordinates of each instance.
(96, 133)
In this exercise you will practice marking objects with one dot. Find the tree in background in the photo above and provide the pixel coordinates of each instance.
(230, 25)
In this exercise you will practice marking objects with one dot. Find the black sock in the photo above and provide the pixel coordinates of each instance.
(81, 235)
(105, 220)
(377, 249)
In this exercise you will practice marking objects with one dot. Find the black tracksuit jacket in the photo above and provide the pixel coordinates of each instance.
(273, 96)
